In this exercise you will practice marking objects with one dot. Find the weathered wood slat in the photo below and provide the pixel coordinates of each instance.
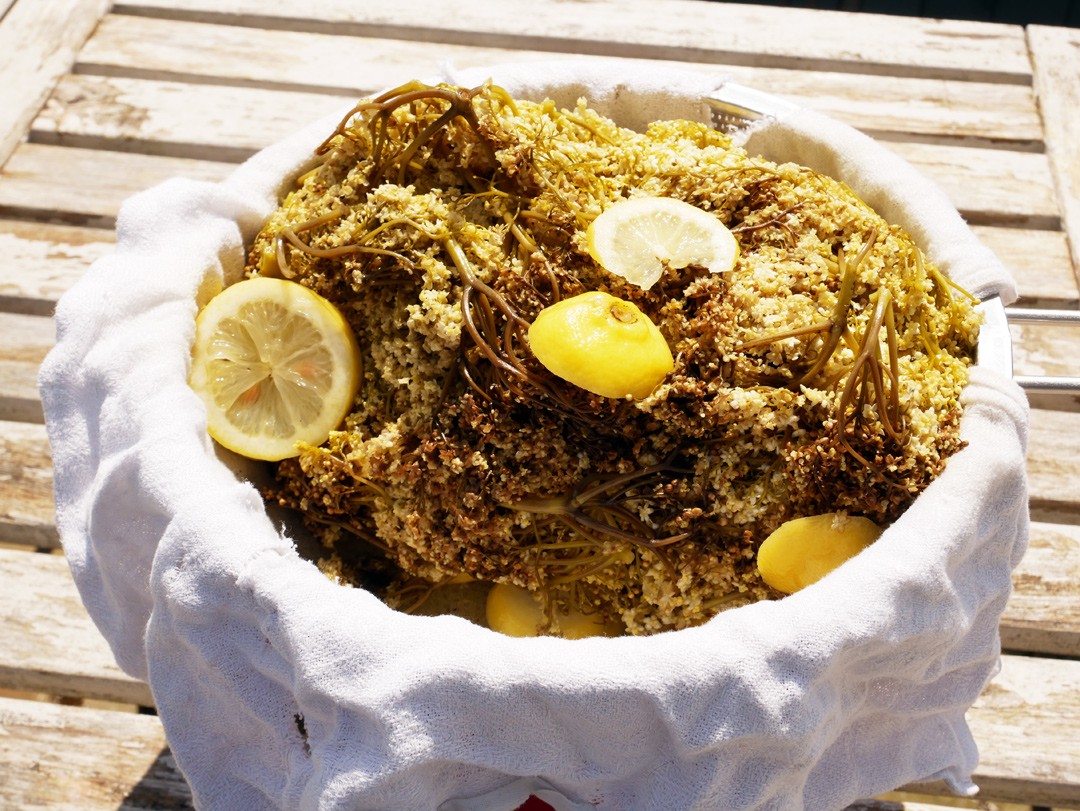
(1043, 349)
(80, 759)
(26, 486)
(27, 338)
(1025, 723)
(51, 645)
(221, 123)
(988, 186)
(1054, 465)
(41, 261)
(38, 50)
(226, 122)
(1044, 611)
(327, 63)
(1054, 54)
(657, 29)
(1039, 260)
(95, 182)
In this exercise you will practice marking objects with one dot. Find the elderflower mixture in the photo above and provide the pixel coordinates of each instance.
(817, 369)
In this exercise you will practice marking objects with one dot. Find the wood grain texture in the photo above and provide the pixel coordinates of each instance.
(27, 509)
(78, 759)
(38, 50)
(210, 122)
(1054, 464)
(203, 53)
(51, 644)
(1025, 723)
(1043, 614)
(42, 260)
(1039, 261)
(659, 29)
(988, 186)
(95, 183)
(1055, 54)
(26, 340)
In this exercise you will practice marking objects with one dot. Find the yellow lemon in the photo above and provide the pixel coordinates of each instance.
(804, 550)
(603, 344)
(518, 612)
(637, 238)
(276, 365)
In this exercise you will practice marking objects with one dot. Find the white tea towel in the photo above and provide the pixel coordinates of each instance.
(281, 690)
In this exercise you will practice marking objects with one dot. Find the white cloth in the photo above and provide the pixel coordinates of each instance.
(281, 690)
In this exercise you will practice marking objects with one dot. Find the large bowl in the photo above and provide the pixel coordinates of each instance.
(280, 689)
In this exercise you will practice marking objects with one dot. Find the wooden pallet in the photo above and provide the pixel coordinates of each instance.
(108, 99)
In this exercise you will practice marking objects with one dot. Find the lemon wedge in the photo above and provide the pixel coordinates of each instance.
(276, 365)
(603, 344)
(514, 611)
(802, 551)
(637, 238)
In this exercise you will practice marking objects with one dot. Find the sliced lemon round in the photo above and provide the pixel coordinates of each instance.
(276, 365)
(638, 238)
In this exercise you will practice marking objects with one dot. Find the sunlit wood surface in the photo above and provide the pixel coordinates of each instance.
(99, 100)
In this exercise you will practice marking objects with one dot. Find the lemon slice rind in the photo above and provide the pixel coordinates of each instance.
(637, 238)
(276, 365)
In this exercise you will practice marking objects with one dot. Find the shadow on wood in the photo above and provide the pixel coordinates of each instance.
(162, 788)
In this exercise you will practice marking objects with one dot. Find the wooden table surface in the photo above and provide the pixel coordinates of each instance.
(99, 100)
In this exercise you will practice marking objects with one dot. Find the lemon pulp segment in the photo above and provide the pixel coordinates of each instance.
(637, 238)
(276, 366)
(603, 344)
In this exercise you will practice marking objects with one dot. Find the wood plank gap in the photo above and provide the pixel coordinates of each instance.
(185, 77)
(1034, 222)
(554, 44)
(889, 136)
(161, 149)
(51, 216)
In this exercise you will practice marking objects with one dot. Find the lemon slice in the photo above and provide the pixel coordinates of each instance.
(637, 238)
(276, 365)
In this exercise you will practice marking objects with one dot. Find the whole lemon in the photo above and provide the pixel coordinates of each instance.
(603, 344)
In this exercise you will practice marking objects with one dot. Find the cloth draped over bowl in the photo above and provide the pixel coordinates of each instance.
(279, 689)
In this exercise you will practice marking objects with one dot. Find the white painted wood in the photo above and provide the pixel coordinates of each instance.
(295, 60)
(1038, 259)
(1055, 54)
(38, 41)
(1043, 614)
(42, 260)
(26, 486)
(51, 644)
(95, 182)
(1025, 722)
(26, 339)
(78, 759)
(685, 30)
(989, 186)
